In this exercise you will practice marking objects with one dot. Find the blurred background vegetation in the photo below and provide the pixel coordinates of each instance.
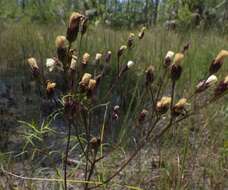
(122, 13)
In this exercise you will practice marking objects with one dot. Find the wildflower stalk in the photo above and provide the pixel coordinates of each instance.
(66, 154)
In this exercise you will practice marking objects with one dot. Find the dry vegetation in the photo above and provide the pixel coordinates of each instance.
(112, 128)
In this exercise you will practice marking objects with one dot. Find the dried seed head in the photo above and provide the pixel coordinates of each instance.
(73, 26)
(203, 85)
(218, 61)
(50, 88)
(85, 58)
(73, 63)
(163, 105)
(60, 42)
(34, 67)
(115, 112)
(222, 87)
(142, 33)
(98, 57)
(178, 58)
(169, 58)
(179, 107)
(33, 63)
(221, 56)
(85, 79)
(130, 40)
(121, 50)
(130, 64)
(150, 74)
(92, 84)
(116, 108)
(108, 56)
(95, 143)
(143, 115)
(52, 63)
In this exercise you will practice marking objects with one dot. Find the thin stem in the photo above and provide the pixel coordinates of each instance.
(66, 155)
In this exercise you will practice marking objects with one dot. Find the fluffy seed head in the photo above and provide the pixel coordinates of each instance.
(218, 62)
(121, 50)
(142, 32)
(73, 62)
(50, 86)
(50, 64)
(85, 58)
(98, 57)
(33, 63)
(60, 42)
(221, 56)
(203, 85)
(162, 106)
(130, 64)
(169, 58)
(95, 143)
(92, 84)
(178, 58)
(85, 79)
(130, 40)
(179, 107)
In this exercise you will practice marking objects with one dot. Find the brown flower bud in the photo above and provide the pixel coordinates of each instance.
(179, 107)
(175, 72)
(150, 75)
(218, 62)
(84, 25)
(222, 87)
(73, 26)
(162, 106)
